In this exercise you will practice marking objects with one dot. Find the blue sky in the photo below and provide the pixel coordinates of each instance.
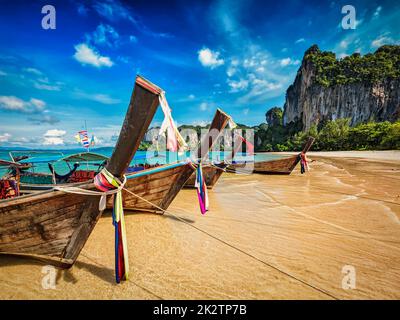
(237, 55)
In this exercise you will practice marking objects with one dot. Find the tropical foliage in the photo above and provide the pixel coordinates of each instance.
(332, 135)
(370, 68)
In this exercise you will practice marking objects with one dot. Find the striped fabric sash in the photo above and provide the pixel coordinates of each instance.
(105, 181)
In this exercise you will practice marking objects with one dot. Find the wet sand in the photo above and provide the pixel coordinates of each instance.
(265, 237)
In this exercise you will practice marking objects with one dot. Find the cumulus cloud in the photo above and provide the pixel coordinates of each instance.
(5, 137)
(209, 58)
(54, 137)
(89, 56)
(288, 62)
(12, 103)
(239, 85)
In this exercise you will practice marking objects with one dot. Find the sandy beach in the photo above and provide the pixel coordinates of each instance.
(265, 237)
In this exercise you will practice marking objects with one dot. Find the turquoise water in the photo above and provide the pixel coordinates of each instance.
(140, 158)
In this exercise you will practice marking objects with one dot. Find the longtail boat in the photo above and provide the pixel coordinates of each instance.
(155, 188)
(279, 166)
(211, 172)
(30, 180)
(54, 225)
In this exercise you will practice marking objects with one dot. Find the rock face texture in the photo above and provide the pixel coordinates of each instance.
(311, 102)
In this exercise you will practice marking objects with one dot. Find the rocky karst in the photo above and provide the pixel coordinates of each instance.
(362, 88)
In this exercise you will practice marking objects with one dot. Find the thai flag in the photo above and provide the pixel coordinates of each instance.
(84, 138)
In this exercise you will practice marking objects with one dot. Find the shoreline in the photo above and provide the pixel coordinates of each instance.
(383, 155)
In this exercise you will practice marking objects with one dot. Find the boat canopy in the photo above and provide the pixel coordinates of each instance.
(84, 157)
(76, 157)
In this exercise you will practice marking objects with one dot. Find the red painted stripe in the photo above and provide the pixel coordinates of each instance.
(147, 86)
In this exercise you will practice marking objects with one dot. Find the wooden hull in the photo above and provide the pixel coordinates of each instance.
(279, 166)
(158, 186)
(210, 174)
(52, 226)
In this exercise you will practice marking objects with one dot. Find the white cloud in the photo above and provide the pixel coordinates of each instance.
(382, 40)
(39, 104)
(55, 133)
(288, 61)
(2, 73)
(239, 85)
(191, 96)
(300, 40)
(209, 58)
(87, 55)
(34, 71)
(52, 141)
(12, 103)
(246, 111)
(5, 137)
(54, 137)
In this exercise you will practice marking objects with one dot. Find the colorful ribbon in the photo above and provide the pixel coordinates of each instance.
(105, 181)
(303, 163)
(201, 189)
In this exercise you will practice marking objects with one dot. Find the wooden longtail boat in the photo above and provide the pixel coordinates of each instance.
(279, 166)
(54, 225)
(160, 185)
(211, 173)
(45, 181)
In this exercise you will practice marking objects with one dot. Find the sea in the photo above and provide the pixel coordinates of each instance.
(141, 157)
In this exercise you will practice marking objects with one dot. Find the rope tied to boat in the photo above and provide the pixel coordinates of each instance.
(303, 163)
(108, 184)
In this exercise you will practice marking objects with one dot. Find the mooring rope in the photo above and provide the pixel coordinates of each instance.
(234, 247)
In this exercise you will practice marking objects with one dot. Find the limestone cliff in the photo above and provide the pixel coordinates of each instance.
(361, 88)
